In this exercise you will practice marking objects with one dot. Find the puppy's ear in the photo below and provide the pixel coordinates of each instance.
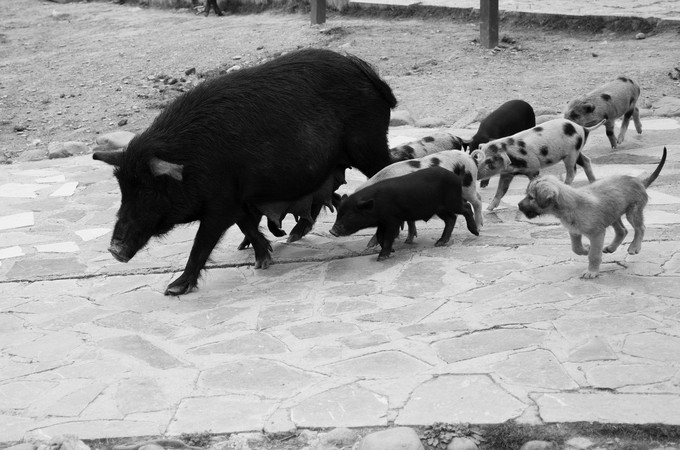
(546, 194)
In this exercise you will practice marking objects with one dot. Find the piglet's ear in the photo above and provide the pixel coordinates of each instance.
(478, 155)
(113, 158)
(366, 205)
(160, 167)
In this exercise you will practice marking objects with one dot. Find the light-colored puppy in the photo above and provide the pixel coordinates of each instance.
(610, 101)
(589, 210)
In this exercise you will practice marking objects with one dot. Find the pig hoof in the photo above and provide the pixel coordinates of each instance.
(292, 237)
(245, 243)
(383, 257)
(178, 287)
(440, 243)
(409, 240)
(263, 263)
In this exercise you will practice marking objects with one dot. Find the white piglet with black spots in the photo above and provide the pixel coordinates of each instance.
(528, 151)
(609, 102)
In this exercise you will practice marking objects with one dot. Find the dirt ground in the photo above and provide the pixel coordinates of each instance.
(69, 72)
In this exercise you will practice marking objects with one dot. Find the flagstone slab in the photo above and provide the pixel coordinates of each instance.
(346, 406)
(270, 379)
(140, 394)
(488, 342)
(387, 364)
(619, 375)
(248, 344)
(315, 330)
(224, 414)
(537, 368)
(655, 346)
(72, 404)
(595, 349)
(459, 399)
(34, 266)
(139, 348)
(20, 220)
(608, 408)
(96, 429)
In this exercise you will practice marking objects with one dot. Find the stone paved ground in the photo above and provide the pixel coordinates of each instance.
(487, 329)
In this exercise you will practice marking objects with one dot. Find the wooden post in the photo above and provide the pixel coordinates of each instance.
(488, 23)
(318, 11)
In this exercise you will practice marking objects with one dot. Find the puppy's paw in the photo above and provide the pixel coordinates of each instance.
(584, 250)
(493, 205)
(634, 249)
(609, 249)
(587, 275)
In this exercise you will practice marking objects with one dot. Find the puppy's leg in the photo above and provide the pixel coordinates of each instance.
(594, 255)
(584, 162)
(609, 128)
(636, 120)
(636, 218)
(503, 185)
(577, 244)
(624, 125)
(620, 232)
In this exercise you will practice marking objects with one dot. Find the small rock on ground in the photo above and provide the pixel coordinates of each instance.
(399, 438)
(340, 437)
(538, 445)
(461, 443)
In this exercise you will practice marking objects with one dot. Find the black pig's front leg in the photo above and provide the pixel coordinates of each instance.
(208, 235)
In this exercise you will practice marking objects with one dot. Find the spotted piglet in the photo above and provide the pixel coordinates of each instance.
(609, 102)
(530, 150)
(434, 143)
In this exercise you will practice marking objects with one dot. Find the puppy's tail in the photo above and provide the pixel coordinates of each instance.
(647, 181)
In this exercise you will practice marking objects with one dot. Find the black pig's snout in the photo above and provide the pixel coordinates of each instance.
(119, 253)
(337, 231)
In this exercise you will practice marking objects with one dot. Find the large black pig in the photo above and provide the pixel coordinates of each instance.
(265, 134)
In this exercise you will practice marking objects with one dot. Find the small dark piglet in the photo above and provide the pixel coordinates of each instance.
(511, 117)
(416, 196)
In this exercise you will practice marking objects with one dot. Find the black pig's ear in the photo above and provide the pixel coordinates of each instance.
(160, 167)
(114, 158)
(365, 204)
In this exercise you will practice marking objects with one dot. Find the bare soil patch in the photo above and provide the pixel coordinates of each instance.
(69, 72)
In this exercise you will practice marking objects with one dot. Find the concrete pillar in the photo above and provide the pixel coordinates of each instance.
(488, 23)
(318, 11)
